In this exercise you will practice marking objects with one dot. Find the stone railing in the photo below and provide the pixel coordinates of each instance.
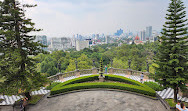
(128, 72)
(60, 76)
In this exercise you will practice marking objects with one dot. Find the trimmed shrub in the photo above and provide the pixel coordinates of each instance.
(122, 79)
(52, 85)
(79, 80)
(107, 77)
(154, 86)
(120, 86)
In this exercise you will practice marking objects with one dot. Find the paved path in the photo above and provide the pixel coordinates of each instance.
(98, 101)
(9, 100)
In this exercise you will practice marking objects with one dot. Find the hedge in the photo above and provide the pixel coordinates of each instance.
(107, 77)
(120, 86)
(154, 86)
(79, 80)
(52, 85)
(122, 79)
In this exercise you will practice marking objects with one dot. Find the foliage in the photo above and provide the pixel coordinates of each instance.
(172, 52)
(171, 102)
(105, 85)
(120, 55)
(118, 63)
(84, 62)
(123, 79)
(79, 80)
(35, 99)
(52, 85)
(154, 86)
(71, 66)
(107, 77)
(86, 79)
(16, 46)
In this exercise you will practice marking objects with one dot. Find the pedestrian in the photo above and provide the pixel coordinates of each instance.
(183, 108)
(24, 104)
(178, 107)
(21, 104)
(106, 68)
(141, 77)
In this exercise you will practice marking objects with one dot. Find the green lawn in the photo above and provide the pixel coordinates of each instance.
(172, 104)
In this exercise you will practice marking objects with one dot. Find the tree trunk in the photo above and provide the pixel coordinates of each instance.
(175, 94)
(27, 94)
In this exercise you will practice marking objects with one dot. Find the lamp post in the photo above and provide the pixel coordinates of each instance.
(147, 65)
(111, 61)
(129, 63)
(94, 64)
(59, 66)
(76, 63)
(101, 68)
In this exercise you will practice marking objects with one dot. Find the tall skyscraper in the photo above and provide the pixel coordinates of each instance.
(43, 40)
(119, 32)
(97, 37)
(143, 35)
(141, 38)
(148, 32)
(107, 39)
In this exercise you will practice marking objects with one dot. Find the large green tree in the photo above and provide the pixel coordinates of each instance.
(16, 65)
(172, 52)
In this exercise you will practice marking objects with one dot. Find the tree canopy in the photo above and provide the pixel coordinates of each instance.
(172, 54)
(16, 64)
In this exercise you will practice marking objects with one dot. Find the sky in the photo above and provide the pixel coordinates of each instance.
(64, 18)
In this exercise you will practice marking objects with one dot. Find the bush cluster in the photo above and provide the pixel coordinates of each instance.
(122, 79)
(120, 86)
(79, 80)
(83, 83)
(52, 85)
(154, 86)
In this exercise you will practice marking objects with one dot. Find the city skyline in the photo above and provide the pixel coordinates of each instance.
(60, 18)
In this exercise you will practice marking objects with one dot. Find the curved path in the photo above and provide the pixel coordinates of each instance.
(98, 101)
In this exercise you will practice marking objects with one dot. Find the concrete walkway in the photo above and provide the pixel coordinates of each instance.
(98, 101)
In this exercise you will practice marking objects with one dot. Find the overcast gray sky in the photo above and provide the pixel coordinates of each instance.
(67, 17)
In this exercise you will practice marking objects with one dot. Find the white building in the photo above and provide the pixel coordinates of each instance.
(82, 44)
(63, 43)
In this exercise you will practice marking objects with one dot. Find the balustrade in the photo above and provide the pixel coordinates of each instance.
(77, 73)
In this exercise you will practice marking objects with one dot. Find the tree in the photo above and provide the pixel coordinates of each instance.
(71, 66)
(171, 58)
(16, 66)
(84, 62)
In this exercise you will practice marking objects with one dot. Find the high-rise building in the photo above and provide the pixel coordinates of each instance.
(63, 43)
(143, 35)
(148, 32)
(141, 38)
(107, 39)
(97, 37)
(82, 44)
(43, 40)
(119, 32)
(73, 41)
